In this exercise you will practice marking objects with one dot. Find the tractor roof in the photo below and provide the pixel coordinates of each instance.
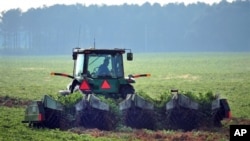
(104, 51)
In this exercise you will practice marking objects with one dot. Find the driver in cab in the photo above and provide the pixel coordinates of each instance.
(103, 68)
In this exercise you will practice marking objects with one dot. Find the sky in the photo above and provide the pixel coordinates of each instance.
(24, 5)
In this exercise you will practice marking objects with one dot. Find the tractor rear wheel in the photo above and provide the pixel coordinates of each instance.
(125, 90)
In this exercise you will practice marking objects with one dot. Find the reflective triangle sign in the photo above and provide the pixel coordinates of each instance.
(105, 85)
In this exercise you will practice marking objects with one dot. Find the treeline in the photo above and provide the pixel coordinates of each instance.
(147, 28)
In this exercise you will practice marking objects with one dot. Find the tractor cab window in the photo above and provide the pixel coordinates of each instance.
(79, 65)
(105, 65)
(118, 65)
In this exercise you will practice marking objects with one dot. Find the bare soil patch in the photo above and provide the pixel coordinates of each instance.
(13, 102)
(184, 77)
(201, 134)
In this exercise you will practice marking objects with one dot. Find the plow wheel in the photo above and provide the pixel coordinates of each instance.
(52, 118)
(94, 118)
(139, 118)
(182, 118)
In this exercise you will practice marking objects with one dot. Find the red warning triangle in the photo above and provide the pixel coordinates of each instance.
(105, 85)
(84, 86)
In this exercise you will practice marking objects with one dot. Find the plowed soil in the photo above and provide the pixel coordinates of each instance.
(13, 102)
(201, 134)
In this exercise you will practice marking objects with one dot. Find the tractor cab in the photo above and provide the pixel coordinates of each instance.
(100, 71)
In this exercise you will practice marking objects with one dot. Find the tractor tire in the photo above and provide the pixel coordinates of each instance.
(95, 118)
(125, 90)
(52, 118)
(139, 118)
(182, 118)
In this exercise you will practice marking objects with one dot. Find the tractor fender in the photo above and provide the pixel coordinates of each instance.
(130, 80)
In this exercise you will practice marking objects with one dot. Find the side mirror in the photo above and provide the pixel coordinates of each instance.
(74, 53)
(130, 56)
(74, 56)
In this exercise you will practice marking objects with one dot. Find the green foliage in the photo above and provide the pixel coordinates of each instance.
(201, 98)
(69, 100)
(145, 95)
(114, 109)
(124, 129)
(112, 104)
(159, 102)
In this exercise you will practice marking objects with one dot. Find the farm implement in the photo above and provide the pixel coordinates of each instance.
(105, 98)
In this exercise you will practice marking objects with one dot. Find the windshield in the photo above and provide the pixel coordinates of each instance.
(79, 65)
(105, 65)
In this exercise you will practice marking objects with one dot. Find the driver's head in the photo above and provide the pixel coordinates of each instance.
(106, 61)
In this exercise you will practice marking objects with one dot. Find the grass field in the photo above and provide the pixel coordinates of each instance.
(28, 78)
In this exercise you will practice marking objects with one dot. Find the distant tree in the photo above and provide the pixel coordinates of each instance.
(10, 26)
(149, 27)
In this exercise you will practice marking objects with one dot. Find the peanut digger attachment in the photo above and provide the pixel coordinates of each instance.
(220, 110)
(184, 113)
(137, 112)
(134, 112)
(45, 113)
(181, 112)
(93, 113)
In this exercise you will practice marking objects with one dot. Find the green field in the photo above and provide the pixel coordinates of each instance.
(29, 78)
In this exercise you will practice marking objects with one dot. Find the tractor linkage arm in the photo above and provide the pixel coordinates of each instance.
(139, 75)
(62, 74)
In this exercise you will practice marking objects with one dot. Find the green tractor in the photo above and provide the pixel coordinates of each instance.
(96, 72)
